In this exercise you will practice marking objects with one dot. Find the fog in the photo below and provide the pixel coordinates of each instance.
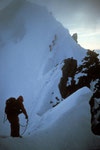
(81, 16)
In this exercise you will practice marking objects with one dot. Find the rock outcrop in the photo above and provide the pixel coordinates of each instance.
(75, 37)
(87, 74)
(68, 70)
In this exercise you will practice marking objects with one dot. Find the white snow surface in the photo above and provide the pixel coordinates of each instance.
(28, 67)
(66, 126)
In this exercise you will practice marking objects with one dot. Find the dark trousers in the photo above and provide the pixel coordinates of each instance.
(14, 124)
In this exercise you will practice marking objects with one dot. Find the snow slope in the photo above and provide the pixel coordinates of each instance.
(26, 62)
(33, 45)
(66, 126)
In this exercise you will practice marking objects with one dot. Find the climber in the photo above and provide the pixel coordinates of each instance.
(13, 109)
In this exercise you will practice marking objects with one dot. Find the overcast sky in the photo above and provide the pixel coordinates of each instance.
(81, 16)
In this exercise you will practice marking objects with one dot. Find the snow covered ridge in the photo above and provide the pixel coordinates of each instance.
(64, 124)
(26, 61)
(59, 127)
(33, 47)
(74, 77)
(80, 75)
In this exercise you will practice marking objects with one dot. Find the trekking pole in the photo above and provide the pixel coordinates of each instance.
(25, 127)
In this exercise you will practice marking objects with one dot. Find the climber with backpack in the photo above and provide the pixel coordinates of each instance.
(13, 108)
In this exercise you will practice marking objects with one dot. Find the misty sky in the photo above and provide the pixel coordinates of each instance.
(81, 16)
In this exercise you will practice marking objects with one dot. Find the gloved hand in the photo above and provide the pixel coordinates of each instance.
(26, 117)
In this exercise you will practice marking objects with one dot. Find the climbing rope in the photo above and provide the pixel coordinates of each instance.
(25, 127)
(5, 118)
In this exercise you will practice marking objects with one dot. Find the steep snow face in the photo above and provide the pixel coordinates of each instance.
(33, 45)
(67, 107)
(66, 126)
(66, 123)
(26, 33)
